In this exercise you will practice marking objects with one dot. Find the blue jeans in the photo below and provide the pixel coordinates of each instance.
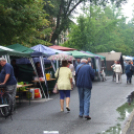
(84, 101)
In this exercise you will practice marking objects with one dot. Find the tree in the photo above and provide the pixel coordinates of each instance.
(64, 9)
(22, 21)
(102, 30)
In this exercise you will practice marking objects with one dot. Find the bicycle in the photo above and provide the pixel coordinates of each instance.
(5, 102)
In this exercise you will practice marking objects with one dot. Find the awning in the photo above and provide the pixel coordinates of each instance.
(78, 54)
(47, 50)
(97, 55)
(12, 52)
(62, 48)
(27, 50)
(111, 56)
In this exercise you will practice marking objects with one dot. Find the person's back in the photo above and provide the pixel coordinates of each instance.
(64, 78)
(64, 83)
(127, 69)
(85, 75)
(8, 69)
(118, 68)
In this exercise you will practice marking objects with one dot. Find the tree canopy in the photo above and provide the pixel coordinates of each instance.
(31, 22)
(22, 21)
(102, 30)
(63, 9)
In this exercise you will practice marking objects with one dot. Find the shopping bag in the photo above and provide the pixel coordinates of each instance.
(55, 90)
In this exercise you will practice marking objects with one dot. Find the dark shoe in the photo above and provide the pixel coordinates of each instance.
(80, 116)
(68, 109)
(88, 117)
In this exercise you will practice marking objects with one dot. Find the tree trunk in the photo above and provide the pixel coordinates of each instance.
(54, 37)
(58, 31)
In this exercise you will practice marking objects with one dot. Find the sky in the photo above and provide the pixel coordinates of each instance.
(127, 9)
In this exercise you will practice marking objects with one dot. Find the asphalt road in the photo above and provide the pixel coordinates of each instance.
(46, 116)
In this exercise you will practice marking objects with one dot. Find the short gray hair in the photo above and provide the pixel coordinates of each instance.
(2, 59)
(84, 60)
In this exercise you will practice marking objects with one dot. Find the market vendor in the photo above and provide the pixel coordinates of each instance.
(39, 70)
(8, 79)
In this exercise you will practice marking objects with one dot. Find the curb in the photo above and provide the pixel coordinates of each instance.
(127, 123)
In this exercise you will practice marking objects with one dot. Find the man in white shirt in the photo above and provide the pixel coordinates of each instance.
(113, 67)
(118, 72)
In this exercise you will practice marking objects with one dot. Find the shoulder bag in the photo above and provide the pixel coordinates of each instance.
(55, 90)
(77, 72)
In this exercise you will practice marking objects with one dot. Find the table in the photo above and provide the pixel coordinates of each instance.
(49, 84)
(26, 85)
(51, 79)
(20, 86)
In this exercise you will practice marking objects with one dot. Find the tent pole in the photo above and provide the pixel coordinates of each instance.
(56, 65)
(43, 71)
(53, 66)
(31, 60)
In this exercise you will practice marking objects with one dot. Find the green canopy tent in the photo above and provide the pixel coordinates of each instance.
(100, 63)
(102, 57)
(7, 52)
(12, 52)
(78, 54)
(33, 53)
(21, 48)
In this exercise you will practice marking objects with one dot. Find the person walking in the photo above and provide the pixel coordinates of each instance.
(64, 82)
(129, 72)
(84, 77)
(118, 72)
(113, 66)
(7, 78)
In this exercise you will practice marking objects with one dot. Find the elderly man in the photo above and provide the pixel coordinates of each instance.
(8, 79)
(85, 75)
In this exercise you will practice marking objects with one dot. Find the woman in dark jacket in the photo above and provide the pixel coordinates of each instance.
(129, 72)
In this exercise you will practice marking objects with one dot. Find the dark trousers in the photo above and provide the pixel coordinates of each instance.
(129, 78)
(12, 92)
(114, 75)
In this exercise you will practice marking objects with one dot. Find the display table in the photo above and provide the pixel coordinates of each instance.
(50, 84)
(20, 92)
(51, 79)
(25, 85)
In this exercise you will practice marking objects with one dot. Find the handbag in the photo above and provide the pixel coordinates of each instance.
(131, 68)
(55, 90)
(77, 72)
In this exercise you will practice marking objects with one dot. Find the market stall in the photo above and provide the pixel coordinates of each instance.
(62, 48)
(7, 53)
(49, 51)
(110, 58)
(33, 54)
(55, 63)
(96, 61)
(78, 54)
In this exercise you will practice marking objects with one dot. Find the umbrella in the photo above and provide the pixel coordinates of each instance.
(61, 57)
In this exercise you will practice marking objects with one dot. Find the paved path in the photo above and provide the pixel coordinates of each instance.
(38, 117)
